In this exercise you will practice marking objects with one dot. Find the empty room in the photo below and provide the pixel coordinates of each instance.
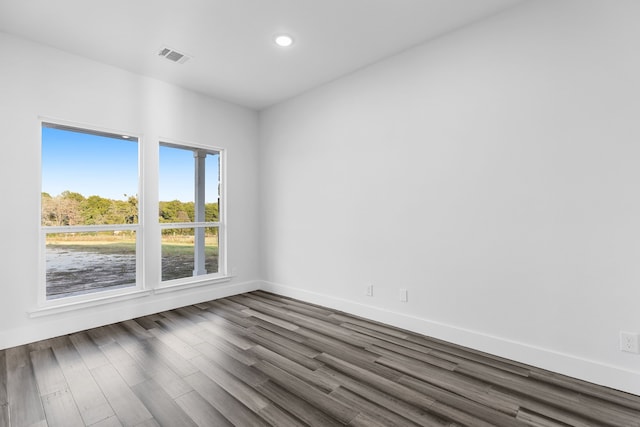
(320, 212)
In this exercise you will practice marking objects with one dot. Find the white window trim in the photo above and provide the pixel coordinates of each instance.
(101, 298)
(143, 230)
(98, 296)
(210, 278)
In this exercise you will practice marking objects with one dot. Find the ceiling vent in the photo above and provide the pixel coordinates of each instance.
(173, 55)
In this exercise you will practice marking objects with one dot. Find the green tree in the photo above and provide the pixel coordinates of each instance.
(73, 196)
(95, 210)
(211, 213)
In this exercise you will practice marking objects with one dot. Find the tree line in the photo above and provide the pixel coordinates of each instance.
(70, 208)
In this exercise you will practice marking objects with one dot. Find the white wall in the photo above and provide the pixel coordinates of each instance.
(38, 81)
(493, 172)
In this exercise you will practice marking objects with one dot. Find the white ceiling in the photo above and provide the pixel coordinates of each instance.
(231, 41)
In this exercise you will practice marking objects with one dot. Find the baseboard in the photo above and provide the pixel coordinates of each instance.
(566, 364)
(55, 325)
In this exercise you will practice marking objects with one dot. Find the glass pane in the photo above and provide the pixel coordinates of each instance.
(81, 263)
(88, 178)
(179, 252)
(177, 184)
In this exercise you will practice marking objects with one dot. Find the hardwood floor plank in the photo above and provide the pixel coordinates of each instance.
(309, 312)
(25, 405)
(108, 422)
(136, 329)
(391, 402)
(355, 349)
(388, 386)
(297, 345)
(271, 319)
(237, 413)
(167, 355)
(192, 313)
(289, 351)
(375, 410)
(127, 367)
(61, 410)
(176, 344)
(48, 374)
(232, 385)
(295, 369)
(58, 402)
(147, 322)
(154, 367)
(102, 335)
(537, 420)
(244, 372)
(382, 338)
(149, 423)
(200, 411)
(122, 336)
(289, 302)
(277, 330)
(164, 410)
(468, 403)
(324, 402)
(89, 351)
(214, 344)
(277, 417)
(230, 305)
(367, 325)
(218, 312)
(451, 382)
(558, 397)
(92, 404)
(408, 357)
(609, 395)
(364, 420)
(230, 333)
(295, 405)
(180, 328)
(558, 415)
(129, 409)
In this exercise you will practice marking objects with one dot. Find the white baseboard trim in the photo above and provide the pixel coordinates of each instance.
(566, 364)
(68, 322)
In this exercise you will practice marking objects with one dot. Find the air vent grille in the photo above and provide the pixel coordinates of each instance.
(173, 55)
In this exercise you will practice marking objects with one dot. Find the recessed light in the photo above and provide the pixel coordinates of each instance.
(283, 40)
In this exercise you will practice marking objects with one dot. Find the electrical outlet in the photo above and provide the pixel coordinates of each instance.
(404, 295)
(629, 342)
(369, 291)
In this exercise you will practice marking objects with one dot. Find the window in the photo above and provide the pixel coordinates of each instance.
(190, 213)
(89, 212)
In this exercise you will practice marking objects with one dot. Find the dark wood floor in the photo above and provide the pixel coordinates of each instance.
(259, 359)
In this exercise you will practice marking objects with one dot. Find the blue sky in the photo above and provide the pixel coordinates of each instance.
(177, 171)
(108, 167)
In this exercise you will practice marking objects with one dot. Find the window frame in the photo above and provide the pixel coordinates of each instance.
(220, 224)
(44, 230)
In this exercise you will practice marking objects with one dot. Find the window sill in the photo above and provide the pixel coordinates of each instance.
(78, 305)
(109, 299)
(191, 284)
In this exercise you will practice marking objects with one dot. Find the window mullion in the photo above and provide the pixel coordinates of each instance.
(199, 241)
